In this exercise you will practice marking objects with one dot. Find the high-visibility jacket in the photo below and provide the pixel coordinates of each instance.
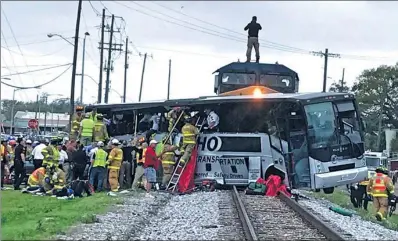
(100, 132)
(76, 123)
(87, 128)
(51, 155)
(57, 183)
(100, 158)
(93, 117)
(380, 186)
(189, 133)
(11, 153)
(168, 156)
(115, 158)
(142, 159)
(2, 151)
(37, 177)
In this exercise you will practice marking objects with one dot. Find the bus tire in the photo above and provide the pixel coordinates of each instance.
(328, 190)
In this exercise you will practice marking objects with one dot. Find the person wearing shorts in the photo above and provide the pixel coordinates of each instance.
(150, 166)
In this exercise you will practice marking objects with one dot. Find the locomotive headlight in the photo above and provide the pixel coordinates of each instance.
(257, 92)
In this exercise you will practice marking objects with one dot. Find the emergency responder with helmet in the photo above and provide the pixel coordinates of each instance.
(380, 187)
(86, 130)
(51, 153)
(114, 162)
(77, 118)
(54, 179)
(93, 115)
(168, 160)
(100, 132)
(189, 134)
(98, 165)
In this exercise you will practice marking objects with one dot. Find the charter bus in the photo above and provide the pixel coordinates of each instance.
(313, 141)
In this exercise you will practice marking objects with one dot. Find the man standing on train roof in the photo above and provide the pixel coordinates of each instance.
(252, 40)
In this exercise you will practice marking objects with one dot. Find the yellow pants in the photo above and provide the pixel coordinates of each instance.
(114, 179)
(381, 205)
(188, 148)
(167, 173)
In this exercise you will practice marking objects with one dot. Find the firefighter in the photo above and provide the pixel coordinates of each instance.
(139, 178)
(54, 179)
(189, 134)
(380, 187)
(93, 115)
(37, 177)
(114, 162)
(77, 118)
(51, 154)
(98, 163)
(86, 130)
(172, 117)
(100, 132)
(168, 161)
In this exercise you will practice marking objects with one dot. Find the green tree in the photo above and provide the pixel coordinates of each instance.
(336, 87)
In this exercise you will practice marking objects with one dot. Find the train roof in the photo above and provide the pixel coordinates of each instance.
(209, 100)
(240, 67)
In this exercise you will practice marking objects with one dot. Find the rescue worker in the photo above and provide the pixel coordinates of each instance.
(167, 158)
(100, 132)
(380, 187)
(172, 117)
(51, 154)
(93, 115)
(29, 149)
(98, 165)
(86, 130)
(125, 168)
(3, 159)
(139, 179)
(189, 134)
(114, 162)
(54, 180)
(11, 151)
(37, 177)
(77, 118)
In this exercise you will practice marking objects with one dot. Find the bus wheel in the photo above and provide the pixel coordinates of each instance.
(328, 190)
(317, 190)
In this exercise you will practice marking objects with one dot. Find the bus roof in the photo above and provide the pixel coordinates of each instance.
(208, 100)
(247, 67)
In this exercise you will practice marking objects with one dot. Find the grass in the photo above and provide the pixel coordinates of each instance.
(27, 217)
(341, 198)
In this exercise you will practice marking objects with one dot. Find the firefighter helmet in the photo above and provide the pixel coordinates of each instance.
(100, 117)
(79, 108)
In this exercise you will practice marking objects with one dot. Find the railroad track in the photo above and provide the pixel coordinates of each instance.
(279, 218)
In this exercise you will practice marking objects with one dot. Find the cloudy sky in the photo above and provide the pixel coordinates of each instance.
(198, 37)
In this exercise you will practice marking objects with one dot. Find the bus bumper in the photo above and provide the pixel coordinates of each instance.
(340, 178)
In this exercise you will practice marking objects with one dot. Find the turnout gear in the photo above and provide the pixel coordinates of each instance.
(100, 132)
(189, 133)
(74, 130)
(37, 177)
(54, 179)
(168, 162)
(380, 187)
(114, 163)
(51, 155)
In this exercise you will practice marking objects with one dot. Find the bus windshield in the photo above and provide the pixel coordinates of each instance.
(372, 161)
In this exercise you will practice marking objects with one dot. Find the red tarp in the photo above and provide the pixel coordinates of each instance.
(186, 182)
(274, 186)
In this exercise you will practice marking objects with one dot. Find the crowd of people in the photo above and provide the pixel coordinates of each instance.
(87, 160)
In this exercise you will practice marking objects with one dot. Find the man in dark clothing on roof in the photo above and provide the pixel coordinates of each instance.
(252, 40)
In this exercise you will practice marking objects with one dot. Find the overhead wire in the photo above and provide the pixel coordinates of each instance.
(36, 70)
(40, 85)
(35, 56)
(31, 65)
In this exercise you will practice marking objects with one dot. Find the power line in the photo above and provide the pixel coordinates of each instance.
(185, 52)
(35, 56)
(40, 42)
(37, 86)
(94, 9)
(36, 70)
(31, 65)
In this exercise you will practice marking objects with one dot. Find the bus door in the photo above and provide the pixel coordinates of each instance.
(299, 162)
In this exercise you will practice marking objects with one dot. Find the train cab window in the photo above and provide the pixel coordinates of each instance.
(238, 78)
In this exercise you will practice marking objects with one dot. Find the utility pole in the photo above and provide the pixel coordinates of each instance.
(326, 55)
(72, 87)
(126, 66)
(342, 81)
(37, 106)
(168, 81)
(101, 57)
(45, 98)
(142, 77)
(108, 70)
(82, 81)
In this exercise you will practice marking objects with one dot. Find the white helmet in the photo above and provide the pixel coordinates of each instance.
(100, 144)
(28, 142)
(115, 142)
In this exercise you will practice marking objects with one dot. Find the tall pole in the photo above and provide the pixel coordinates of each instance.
(82, 81)
(325, 70)
(101, 57)
(45, 114)
(12, 111)
(168, 81)
(142, 78)
(126, 66)
(52, 116)
(108, 70)
(342, 81)
(37, 106)
(76, 47)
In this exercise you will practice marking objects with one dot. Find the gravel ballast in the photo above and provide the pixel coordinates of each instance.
(357, 227)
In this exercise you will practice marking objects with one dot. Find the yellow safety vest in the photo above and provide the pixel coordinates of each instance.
(2, 150)
(100, 158)
(51, 155)
(34, 178)
(87, 128)
(99, 135)
(115, 158)
(188, 134)
(93, 117)
(142, 160)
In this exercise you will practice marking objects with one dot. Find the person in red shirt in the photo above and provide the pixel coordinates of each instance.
(151, 164)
